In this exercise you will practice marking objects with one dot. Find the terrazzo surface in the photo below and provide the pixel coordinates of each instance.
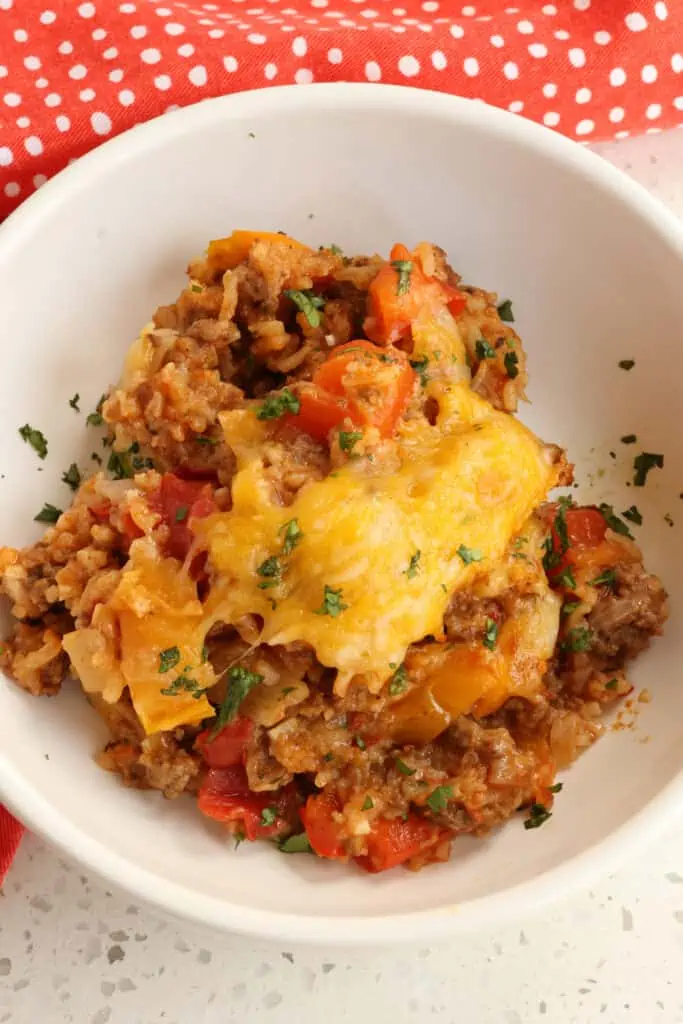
(74, 952)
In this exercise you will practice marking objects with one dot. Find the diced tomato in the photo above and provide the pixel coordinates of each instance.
(334, 398)
(226, 748)
(392, 309)
(101, 512)
(586, 527)
(318, 414)
(324, 834)
(393, 841)
(225, 796)
(180, 501)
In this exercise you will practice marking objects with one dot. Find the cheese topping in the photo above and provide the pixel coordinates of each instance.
(391, 547)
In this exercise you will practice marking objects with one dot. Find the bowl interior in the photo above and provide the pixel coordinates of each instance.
(594, 279)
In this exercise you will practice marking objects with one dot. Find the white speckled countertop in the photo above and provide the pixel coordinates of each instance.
(72, 952)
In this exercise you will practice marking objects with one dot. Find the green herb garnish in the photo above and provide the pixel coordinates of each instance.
(184, 684)
(566, 579)
(293, 536)
(612, 684)
(608, 578)
(240, 682)
(413, 567)
(360, 742)
(578, 639)
(368, 804)
(309, 304)
(505, 311)
(614, 522)
(469, 554)
(332, 603)
(633, 515)
(48, 514)
(511, 362)
(570, 606)
(643, 463)
(399, 682)
(277, 405)
(206, 440)
(72, 477)
(484, 350)
(404, 269)
(296, 844)
(438, 799)
(420, 367)
(556, 787)
(404, 768)
(73, 402)
(268, 816)
(36, 438)
(95, 419)
(538, 814)
(270, 568)
(181, 514)
(490, 634)
(348, 439)
(168, 659)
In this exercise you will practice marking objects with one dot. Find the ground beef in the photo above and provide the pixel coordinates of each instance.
(625, 618)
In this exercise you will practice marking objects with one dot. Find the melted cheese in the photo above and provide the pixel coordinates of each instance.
(467, 483)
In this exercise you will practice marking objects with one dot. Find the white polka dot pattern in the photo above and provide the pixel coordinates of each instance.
(581, 67)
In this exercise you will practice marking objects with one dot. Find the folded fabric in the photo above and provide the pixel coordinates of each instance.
(73, 74)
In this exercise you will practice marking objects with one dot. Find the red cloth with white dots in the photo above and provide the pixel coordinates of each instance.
(75, 73)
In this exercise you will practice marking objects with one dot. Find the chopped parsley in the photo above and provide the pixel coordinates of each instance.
(168, 659)
(614, 522)
(360, 742)
(612, 684)
(556, 787)
(206, 440)
(437, 800)
(293, 536)
(96, 458)
(626, 364)
(404, 768)
(608, 578)
(368, 804)
(272, 570)
(420, 367)
(413, 567)
(240, 682)
(633, 515)
(119, 465)
(484, 350)
(36, 438)
(398, 682)
(73, 402)
(181, 513)
(48, 514)
(538, 815)
(490, 634)
(578, 639)
(196, 287)
(336, 250)
(566, 579)
(348, 439)
(308, 303)
(469, 554)
(629, 439)
(643, 463)
(239, 838)
(268, 816)
(296, 844)
(277, 405)
(404, 269)
(72, 477)
(505, 311)
(570, 606)
(332, 603)
(205, 654)
(95, 419)
(560, 523)
(184, 684)
(511, 362)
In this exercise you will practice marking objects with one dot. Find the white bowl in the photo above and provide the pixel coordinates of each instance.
(595, 269)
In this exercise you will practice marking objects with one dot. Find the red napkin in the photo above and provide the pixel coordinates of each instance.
(75, 73)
